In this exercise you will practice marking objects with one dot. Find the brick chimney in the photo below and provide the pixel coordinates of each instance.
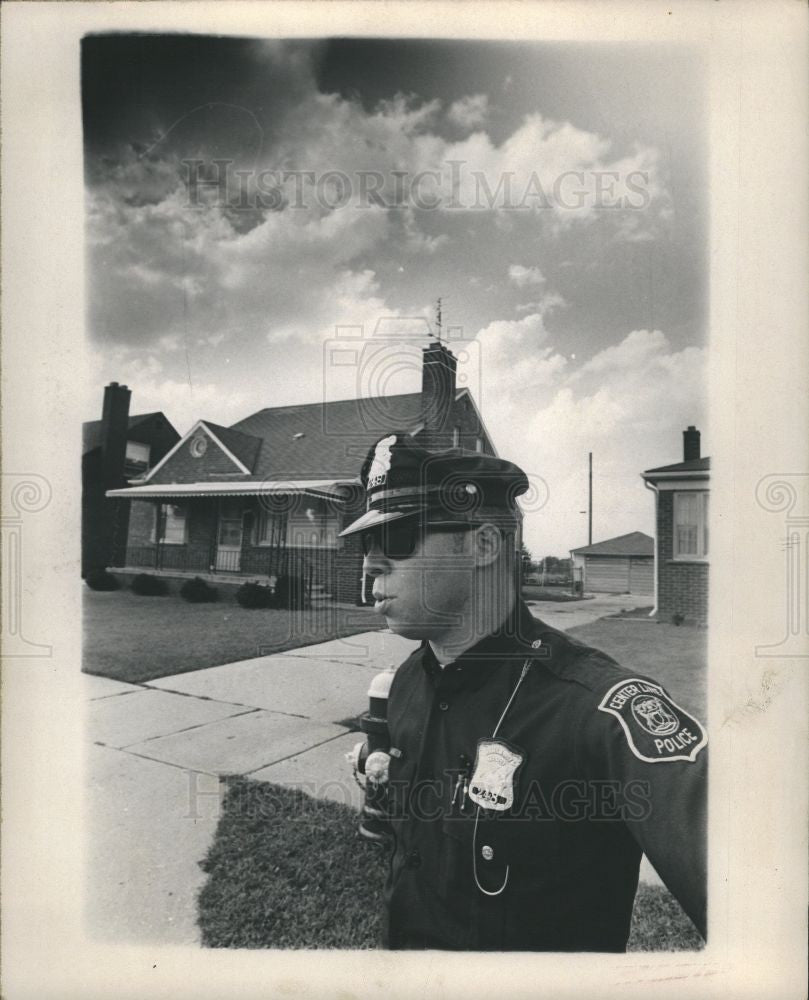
(690, 444)
(114, 428)
(437, 393)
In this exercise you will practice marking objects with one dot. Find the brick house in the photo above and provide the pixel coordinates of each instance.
(114, 448)
(622, 565)
(270, 494)
(682, 520)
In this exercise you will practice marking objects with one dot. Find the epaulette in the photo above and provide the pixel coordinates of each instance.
(576, 662)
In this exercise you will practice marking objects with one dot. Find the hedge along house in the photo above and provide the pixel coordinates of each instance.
(682, 545)
(269, 495)
(622, 565)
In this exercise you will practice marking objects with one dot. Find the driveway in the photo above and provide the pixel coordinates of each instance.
(571, 614)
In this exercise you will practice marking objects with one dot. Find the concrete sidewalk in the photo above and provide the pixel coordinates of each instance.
(157, 751)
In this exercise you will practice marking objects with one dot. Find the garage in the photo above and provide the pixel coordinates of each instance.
(621, 565)
(641, 576)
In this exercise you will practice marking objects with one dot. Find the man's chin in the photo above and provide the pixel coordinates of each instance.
(405, 629)
(409, 630)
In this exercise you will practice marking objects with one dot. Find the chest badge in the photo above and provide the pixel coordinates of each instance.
(493, 777)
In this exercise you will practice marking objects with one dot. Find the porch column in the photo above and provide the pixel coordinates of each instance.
(158, 531)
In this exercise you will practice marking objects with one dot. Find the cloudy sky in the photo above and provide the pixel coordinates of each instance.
(248, 201)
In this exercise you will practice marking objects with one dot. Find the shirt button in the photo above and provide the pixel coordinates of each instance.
(413, 859)
(443, 705)
(487, 852)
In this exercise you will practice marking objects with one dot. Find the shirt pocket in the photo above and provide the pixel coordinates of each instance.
(455, 873)
(525, 851)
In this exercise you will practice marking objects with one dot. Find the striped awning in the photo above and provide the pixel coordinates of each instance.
(334, 489)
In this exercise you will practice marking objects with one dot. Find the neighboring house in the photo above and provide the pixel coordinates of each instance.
(114, 449)
(269, 495)
(622, 565)
(681, 518)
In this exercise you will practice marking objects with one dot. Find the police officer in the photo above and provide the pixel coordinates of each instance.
(528, 772)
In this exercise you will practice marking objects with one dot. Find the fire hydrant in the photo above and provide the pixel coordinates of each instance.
(372, 759)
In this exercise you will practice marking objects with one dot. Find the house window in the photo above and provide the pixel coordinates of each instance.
(691, 525)
(456, 436)
(269, 527)
(137, 458)
(312, 526)
(479, 444)
(171, 524)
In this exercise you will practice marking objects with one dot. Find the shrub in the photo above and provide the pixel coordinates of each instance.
(254, 595)
(149, 586)
(290, 592)
(100, 579)
(677, 618)
(197, 591)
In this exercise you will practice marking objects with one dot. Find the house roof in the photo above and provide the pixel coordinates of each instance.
(310, 441)
(692, 465)
(326, 439)
(91, 429)
(636, 543)
(244, 446)
(315, 488)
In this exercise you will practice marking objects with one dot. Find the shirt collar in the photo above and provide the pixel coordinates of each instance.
(514, 639)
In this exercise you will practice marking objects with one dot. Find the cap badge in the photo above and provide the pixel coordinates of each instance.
(380, 465)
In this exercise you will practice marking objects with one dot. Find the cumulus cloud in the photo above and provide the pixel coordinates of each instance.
(628, 404)
(215, 309)
(554, 168)
(520, 275)
(183, 400)
(166, 270)
(469, 112)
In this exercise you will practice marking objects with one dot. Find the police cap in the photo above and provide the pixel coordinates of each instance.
(403, 480)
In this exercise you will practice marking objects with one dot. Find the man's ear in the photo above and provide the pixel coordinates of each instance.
(488, 544)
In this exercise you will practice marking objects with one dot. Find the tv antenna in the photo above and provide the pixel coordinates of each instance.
(438, 319)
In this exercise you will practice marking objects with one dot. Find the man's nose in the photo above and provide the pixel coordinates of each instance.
(374, 564)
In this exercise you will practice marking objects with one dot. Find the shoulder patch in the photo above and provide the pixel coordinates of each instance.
(656, 728)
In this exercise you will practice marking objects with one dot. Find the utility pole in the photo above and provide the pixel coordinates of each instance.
(590, 503)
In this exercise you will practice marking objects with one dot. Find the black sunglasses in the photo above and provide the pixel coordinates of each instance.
(399, 539)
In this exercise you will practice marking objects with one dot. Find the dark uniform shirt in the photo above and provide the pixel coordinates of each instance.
(532, 839)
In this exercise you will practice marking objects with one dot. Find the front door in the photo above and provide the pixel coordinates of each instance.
(229, 535)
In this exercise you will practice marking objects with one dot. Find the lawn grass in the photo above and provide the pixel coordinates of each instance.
(289, 871)
(532, 592)
(641, 613)
(137, 639)
(675, 656)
